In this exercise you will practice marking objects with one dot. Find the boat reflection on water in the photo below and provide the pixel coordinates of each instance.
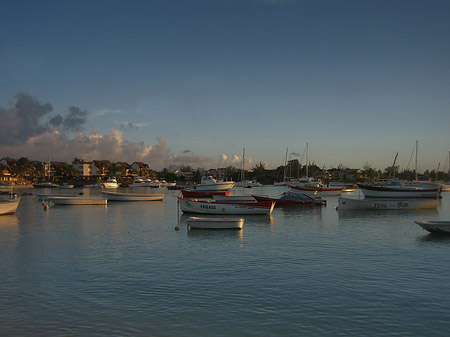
(372, 214)
(215, 233)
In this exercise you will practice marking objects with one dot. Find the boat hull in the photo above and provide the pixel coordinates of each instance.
(386, 204)
(387, 192)
(217, 187)
(287, 202)
(441, 227)
(78, 201)
(200, 194)
(215, 223)
(330, 191)
(214, 207)
(9, 206)
(118, 196)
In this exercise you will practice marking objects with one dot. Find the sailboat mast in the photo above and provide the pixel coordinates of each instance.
(307, 164)
(417, 148)
(243, 161)
(285, 163)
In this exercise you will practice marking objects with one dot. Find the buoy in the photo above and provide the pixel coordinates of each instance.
(45, 206)
(177, 228)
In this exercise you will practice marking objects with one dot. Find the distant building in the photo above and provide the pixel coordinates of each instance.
(83, 167)
(141, 168)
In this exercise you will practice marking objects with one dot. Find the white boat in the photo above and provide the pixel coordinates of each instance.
(66, 186)
(119, 196)
(442, 227)
(398, 189)
(110, 183)
(215, 223)
(248, 184)
(209, 184)
(386, 204)
(77, 201)
(216, 207)
(140, 182)
(9, 205)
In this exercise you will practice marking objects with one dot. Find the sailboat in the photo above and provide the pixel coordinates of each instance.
(245, 182)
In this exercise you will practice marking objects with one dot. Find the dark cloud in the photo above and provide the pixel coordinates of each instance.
(22, 120)
(56, 121)
(75, 120)
(128, 126)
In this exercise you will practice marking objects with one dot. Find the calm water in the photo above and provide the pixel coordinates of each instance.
(123, 270)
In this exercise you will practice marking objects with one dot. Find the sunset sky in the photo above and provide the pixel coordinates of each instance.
(193, 82)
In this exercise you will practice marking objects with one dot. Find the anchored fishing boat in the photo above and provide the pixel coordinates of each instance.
(222, 207)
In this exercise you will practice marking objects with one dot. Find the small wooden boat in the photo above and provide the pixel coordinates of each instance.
(9, 205)
(293, 199)
(441, 227)
(119, 196)
(77, 201)
(215, 223)
(386, 204)
(187, 193)
(217, 207)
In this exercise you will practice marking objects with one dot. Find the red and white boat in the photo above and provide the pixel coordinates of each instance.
(319, 190)
(223, 207)
(200, 194)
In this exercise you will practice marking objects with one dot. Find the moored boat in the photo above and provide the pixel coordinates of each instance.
(398, 191)
(209, 184)
(293, 199)
(215, 223)
(386, 203)
(440, 227)
(217, 207)
(9, 205)
(110, 183)
(77, 201)
(187, 193)
(45, 185)
(120, 196)
(319, 190)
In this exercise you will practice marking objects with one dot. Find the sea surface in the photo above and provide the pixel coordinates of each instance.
(123, 270)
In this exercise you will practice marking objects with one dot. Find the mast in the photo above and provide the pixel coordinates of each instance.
(285, 163)
(417, 148)
(307, 164)
(243, 161)
(393, 168)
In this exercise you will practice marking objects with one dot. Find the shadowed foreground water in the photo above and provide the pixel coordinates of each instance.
(123, 270)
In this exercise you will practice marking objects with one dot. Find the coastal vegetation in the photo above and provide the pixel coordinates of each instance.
(24, 170)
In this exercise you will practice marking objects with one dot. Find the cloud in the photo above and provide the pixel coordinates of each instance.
(75, 120)
(104, 112)
(22, 120)
(24, 134)
(131, 125)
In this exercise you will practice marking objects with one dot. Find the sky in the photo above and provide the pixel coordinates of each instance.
(193, 82)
